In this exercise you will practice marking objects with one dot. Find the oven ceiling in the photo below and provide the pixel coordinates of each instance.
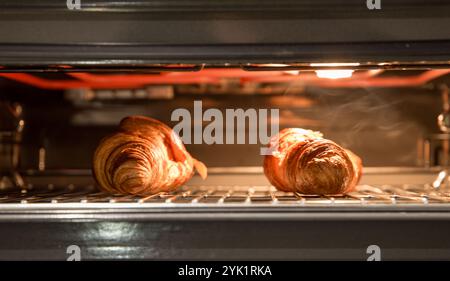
(137, 34)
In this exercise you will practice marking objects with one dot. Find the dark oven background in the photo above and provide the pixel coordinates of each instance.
(382, 125)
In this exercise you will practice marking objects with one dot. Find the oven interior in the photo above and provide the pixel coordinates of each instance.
(52, 123)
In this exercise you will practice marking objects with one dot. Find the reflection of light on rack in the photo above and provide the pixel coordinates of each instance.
(334, 74)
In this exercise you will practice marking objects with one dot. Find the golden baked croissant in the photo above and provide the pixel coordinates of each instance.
(143, 157)
(306, 163)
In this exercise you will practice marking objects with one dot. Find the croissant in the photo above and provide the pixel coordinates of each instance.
(143, 157)
(306, 163)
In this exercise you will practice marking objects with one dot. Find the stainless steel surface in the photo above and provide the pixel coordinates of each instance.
(442, 178)
(443, 118)
(11, 130)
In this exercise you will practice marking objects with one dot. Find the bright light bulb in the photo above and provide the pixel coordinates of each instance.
(334, 74)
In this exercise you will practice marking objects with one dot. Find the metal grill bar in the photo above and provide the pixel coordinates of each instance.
(229, 195)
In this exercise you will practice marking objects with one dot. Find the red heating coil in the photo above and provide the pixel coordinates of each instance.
(214, 76)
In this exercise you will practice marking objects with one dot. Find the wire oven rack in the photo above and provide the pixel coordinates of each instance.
(223, 196)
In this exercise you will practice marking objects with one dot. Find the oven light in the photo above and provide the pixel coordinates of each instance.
(334, 74)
